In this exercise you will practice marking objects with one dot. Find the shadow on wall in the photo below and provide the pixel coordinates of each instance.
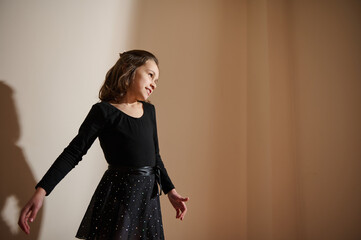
(16, 179)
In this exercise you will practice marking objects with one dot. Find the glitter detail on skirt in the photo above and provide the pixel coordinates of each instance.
(122, 207)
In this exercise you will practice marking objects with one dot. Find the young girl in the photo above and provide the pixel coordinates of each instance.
(125, 204)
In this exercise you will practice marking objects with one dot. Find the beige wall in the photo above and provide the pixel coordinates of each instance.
(54, 56)
(258, 103)
(327, 50)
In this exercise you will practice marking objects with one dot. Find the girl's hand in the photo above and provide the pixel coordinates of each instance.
(29, 211)
(178, 203)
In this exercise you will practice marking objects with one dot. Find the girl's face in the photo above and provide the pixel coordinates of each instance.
(145, 81)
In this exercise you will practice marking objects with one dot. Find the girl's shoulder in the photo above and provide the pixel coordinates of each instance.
(103, 108)
(101, 104)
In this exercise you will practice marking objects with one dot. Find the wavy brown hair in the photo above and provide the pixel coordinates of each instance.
(120, 76)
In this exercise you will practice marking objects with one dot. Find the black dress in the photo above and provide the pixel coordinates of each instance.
(124, 205)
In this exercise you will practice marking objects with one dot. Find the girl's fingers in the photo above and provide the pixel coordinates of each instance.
(184, 211)
(183, 214)
(178, 213)
(26, 228)
(33, 215)
(23, 223)
(26, 221)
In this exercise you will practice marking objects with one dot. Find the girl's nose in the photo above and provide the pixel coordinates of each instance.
(153, 85)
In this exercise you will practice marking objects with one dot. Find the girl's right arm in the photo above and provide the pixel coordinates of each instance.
(68, 159)
(30, 210)
(77, 148)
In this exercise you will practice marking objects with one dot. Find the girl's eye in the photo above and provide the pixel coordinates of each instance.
(151, 74)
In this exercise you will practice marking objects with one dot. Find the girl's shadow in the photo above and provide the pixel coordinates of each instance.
(16, 179)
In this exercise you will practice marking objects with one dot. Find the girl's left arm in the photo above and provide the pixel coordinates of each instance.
(167, 184)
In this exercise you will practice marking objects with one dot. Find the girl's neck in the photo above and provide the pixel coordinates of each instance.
(127, 100)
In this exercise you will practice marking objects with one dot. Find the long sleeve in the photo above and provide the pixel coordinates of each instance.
(167, 184)
(78, 147)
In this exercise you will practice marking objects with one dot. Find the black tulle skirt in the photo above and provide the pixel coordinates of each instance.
(123, 206)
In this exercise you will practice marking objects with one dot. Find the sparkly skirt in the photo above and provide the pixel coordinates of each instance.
(123, 206)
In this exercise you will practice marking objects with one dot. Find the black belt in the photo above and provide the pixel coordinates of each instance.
(143, 171)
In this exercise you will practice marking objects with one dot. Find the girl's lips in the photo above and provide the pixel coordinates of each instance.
(148, 91)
